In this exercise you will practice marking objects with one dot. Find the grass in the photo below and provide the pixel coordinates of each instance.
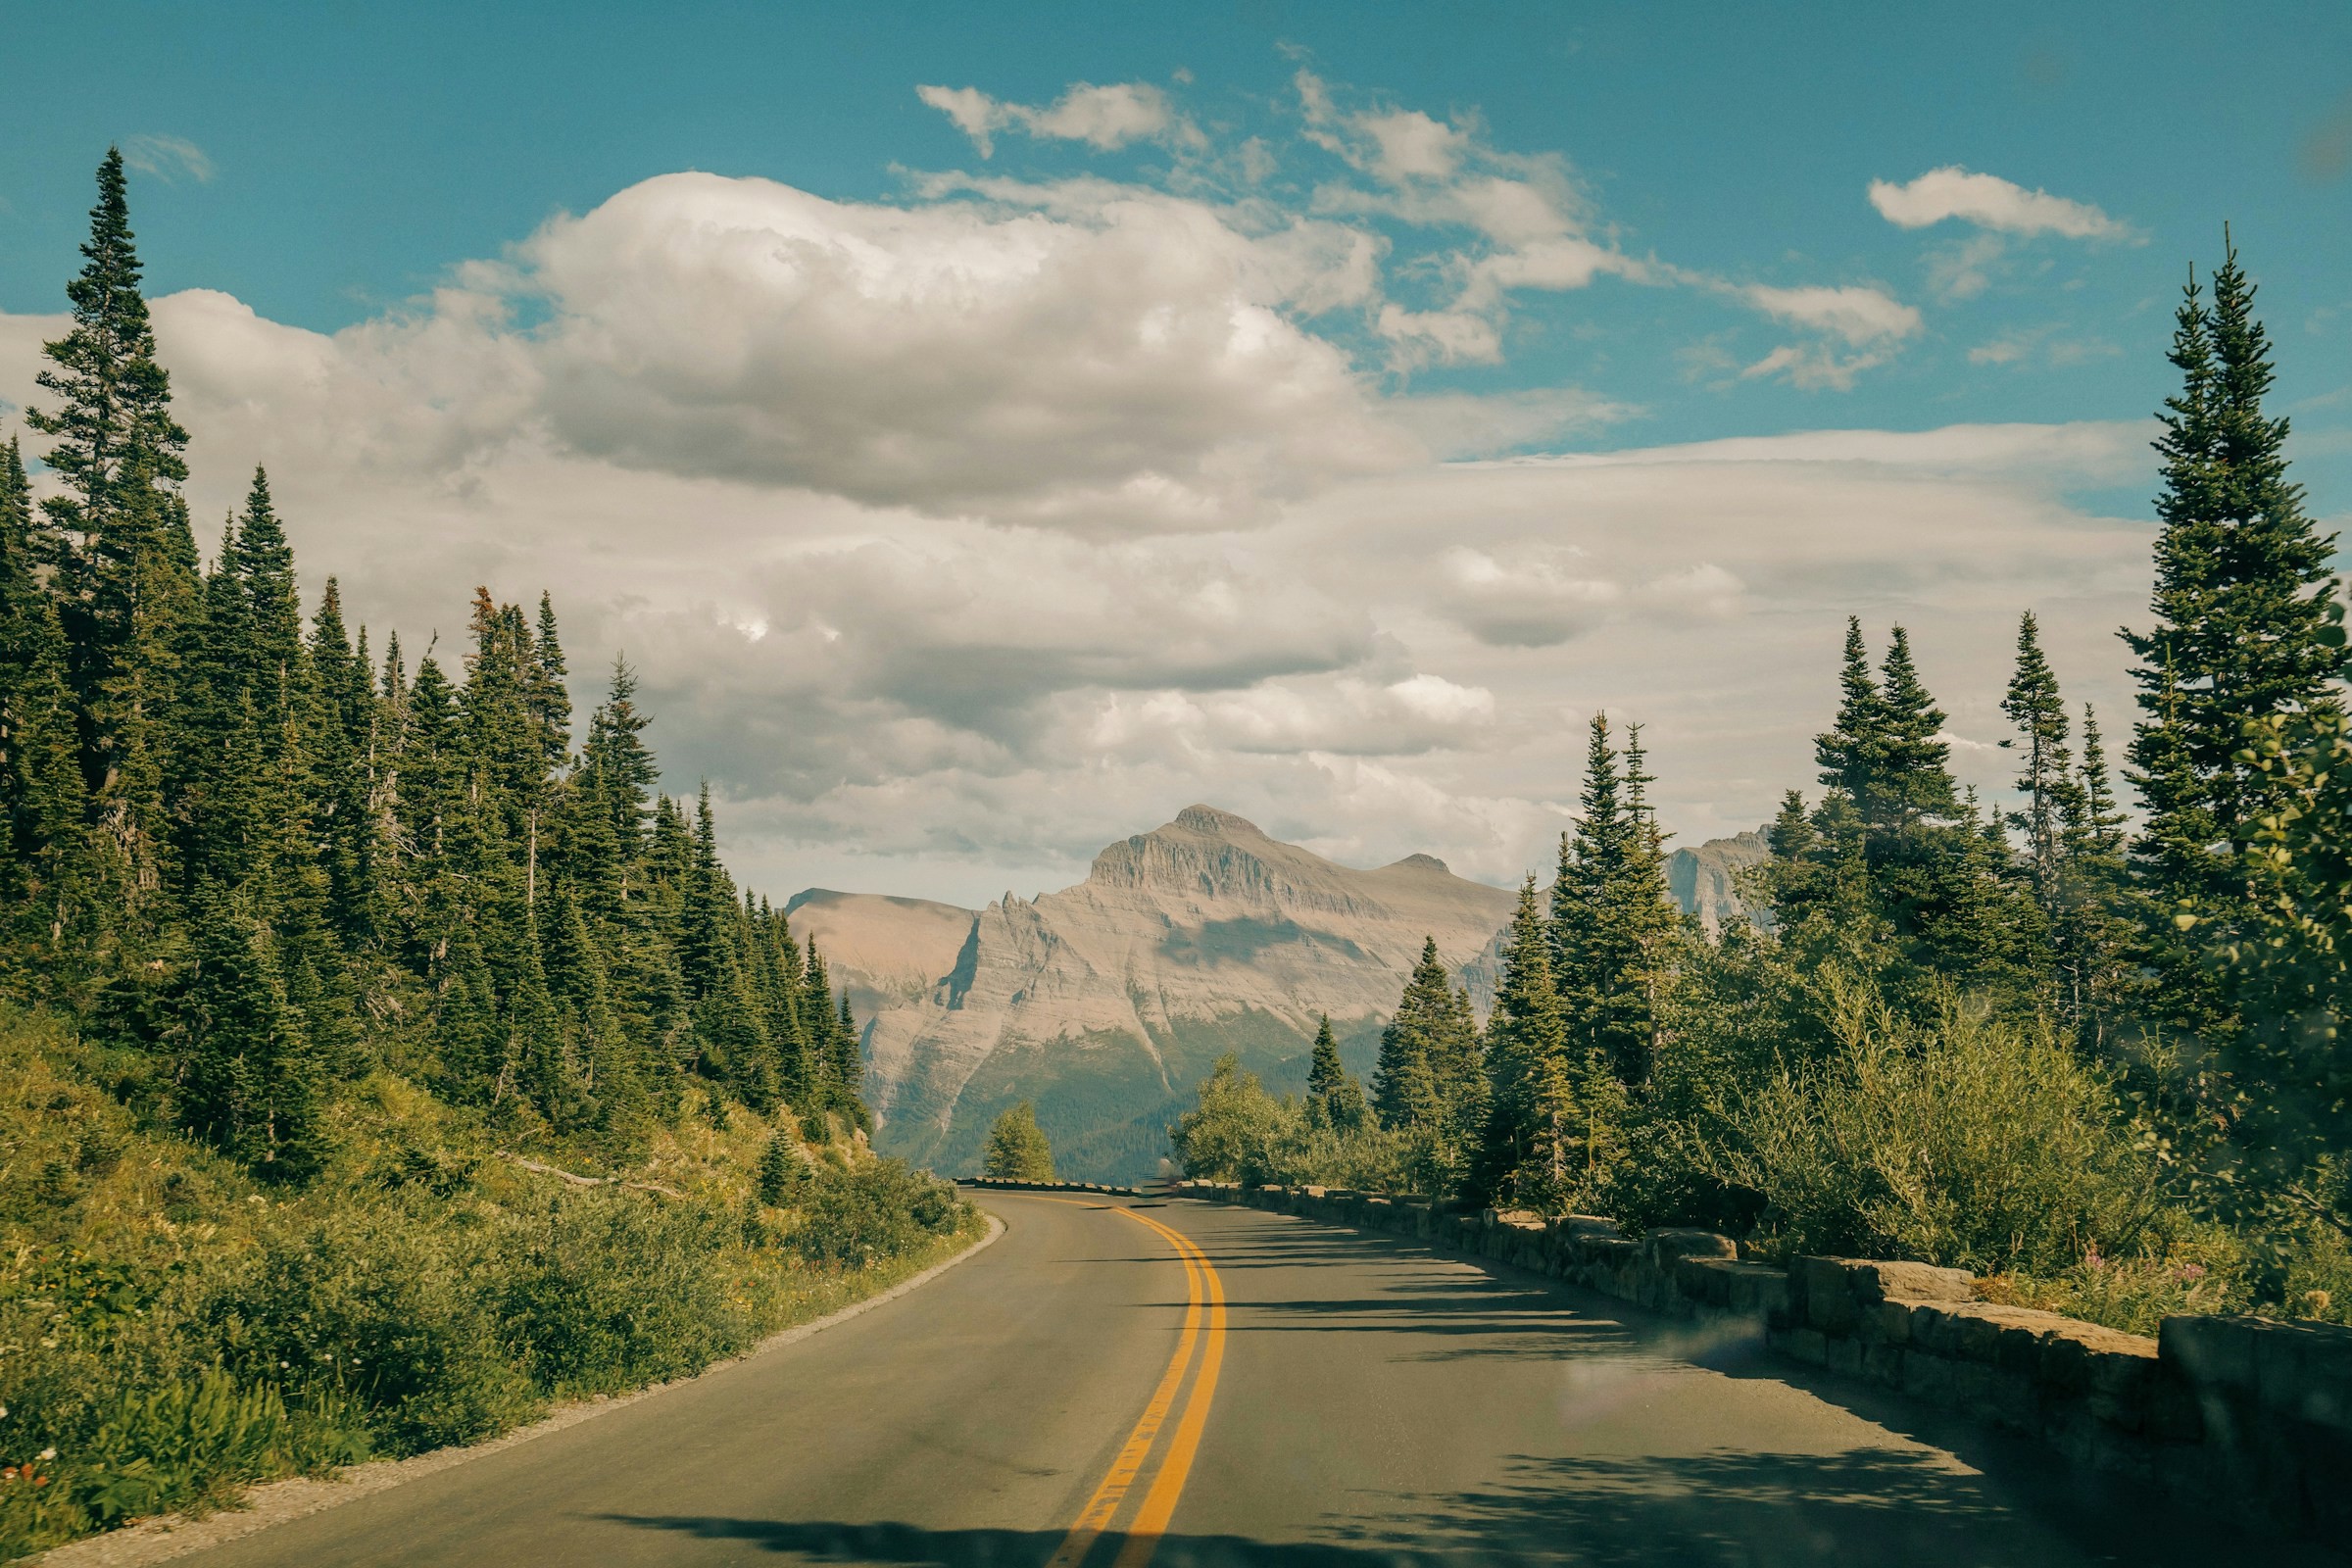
(172, 1330)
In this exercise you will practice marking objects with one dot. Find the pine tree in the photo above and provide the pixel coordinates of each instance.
(2045, 776)
(341, 737)
(1016, 1149)
(2091, 927)
(846, 1071)
(1911, 780)
(1611, 924)
(783, 1173)
(42, 793)
(248, 1082)
(118, 544)
(1849, 753)
(1430, 1083)
(1405, 1085)
(1530, 1154)
(1335, 1100)
(2242, 591)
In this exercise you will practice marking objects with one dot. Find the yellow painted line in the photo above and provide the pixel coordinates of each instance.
(1160, 1503)
(1167, 1486)
(1103, 1505)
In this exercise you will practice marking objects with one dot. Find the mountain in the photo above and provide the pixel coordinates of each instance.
(1106, 1002)
(1704, 880)
(883, 952)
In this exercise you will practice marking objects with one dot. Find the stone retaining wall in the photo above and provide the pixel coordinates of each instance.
(2253, 1415)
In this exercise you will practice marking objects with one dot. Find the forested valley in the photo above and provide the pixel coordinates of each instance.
(377, 1064)
(2096, 1057)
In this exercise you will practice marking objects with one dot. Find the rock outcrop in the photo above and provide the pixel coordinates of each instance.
(1106, 1002)
(1705, 880)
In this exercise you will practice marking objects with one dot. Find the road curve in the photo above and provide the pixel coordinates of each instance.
(1147, 1385)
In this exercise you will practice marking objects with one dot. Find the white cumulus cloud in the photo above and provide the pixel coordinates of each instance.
(1990, 202)
(1106, 118)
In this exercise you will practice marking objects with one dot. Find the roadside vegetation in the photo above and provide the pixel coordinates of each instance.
(381, 1058)
(1017, 1150)
(2101, 1064)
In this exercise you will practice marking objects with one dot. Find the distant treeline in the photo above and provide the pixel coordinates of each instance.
(2105, 1063)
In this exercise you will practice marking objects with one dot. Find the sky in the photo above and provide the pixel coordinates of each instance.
(990, 430)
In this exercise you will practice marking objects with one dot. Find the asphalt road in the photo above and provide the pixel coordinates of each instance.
(1081, 1396)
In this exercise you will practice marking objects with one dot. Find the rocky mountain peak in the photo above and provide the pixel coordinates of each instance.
(1422, 862)
(1218, 824)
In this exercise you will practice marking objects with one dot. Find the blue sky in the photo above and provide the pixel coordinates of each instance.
(359, 151)
(329, 168)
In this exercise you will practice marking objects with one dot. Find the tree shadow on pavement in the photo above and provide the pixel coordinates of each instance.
(1869, 1506)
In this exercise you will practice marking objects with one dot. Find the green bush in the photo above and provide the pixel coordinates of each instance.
(873, 1210)
(1958, 1139)
(612, 1291)
(1240, 1133)
(395, 1304)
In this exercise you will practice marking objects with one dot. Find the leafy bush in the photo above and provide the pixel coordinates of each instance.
(1240, 1133)
(875, 1210)
(613, 1292)
(1958, 1139)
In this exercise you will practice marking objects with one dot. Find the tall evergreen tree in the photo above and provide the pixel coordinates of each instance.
(1334, 1099)
(1529, 1155)
(41, 791)
(2243, 592)
(1612, 926)
(2046, 765)
(118, 544)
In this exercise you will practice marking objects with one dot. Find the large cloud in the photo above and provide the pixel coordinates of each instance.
(959, 535)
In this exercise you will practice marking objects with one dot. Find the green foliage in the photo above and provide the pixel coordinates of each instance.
(1431, 1083)
(1614, 936)
(235, 845)
(1237, 1132)
(1017, 1150)
(783, 1173)
(181, 1327)
(2287, 970)
(1335, 1100)
(1953, 1139)
(2244, 584)
(875, 1210)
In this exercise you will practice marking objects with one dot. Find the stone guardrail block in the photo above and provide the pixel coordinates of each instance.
(2252, 1415)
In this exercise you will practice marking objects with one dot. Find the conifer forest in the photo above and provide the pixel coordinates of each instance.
(2091, 1052)
(383, 1054)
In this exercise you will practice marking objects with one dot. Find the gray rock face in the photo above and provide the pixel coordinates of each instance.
(1704, 880)
(1107, 1003)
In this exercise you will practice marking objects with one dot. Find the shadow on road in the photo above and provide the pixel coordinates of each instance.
(1870, 1506)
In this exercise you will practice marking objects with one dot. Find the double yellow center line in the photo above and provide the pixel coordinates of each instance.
(1150, 1521)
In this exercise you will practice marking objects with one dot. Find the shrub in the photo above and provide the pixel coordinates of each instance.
(614, 1290)
(1957, 1140)
(873, 1210)
(394, 1303)
(1240, 1133)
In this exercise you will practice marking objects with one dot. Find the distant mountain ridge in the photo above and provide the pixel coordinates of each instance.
(1106, 1001)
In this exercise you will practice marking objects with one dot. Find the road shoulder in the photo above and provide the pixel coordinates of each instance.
(276, 1503)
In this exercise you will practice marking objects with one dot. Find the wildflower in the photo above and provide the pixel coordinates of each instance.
(2192, 1271)
(48, 1453)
